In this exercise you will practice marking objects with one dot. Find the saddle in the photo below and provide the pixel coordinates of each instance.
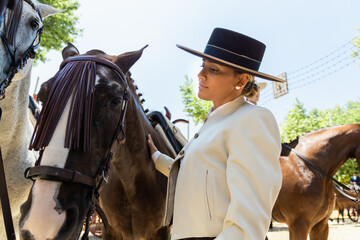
(171, 134)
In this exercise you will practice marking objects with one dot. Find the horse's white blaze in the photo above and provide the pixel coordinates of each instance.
(45, 210)
(97, 80)
(44, 221)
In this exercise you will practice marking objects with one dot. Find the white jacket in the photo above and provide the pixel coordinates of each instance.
(229, 177)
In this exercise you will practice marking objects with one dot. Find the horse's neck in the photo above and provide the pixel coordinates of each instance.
(136, 127)
(333, 146)
(135, 158)
(15, 127)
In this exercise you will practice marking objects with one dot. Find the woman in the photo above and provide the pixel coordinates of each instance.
(255, 98)
(230, 174)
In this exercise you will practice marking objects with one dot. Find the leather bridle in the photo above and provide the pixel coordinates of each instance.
(8, 37)
(67, 175)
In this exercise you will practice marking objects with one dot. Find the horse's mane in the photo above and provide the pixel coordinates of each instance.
(134, 89)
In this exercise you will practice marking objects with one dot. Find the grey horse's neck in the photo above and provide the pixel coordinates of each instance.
(15, 127)
(15, 134)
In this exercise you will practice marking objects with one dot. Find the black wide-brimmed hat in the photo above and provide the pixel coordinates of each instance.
(235, 50)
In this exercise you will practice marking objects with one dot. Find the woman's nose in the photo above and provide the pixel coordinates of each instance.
(201, 75)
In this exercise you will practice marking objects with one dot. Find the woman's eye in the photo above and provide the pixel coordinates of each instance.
(213, 70)
(34, 25)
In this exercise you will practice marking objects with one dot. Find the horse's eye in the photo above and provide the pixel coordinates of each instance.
(34, 24)
(114, 102)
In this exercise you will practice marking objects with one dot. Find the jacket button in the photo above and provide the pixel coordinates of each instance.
(182, 152)
(196, 135)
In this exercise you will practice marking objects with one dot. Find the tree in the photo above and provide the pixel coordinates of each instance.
(195, 108)
(59, 28)
(356, 43)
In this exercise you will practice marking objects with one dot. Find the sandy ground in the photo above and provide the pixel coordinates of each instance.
(338, 231)
(342, 231)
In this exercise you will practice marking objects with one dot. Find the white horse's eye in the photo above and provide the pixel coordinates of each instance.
(34, 24)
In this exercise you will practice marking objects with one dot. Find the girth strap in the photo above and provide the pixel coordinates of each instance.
(59, 174)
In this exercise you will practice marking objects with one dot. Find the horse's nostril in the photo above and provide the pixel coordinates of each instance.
(26, 235)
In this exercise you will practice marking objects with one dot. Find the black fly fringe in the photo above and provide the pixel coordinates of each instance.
(75, 81)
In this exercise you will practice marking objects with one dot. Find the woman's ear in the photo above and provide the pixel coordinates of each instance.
(242, 79)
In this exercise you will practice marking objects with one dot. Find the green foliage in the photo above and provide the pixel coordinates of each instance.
(356, 43)
(298, 123)
(59, 28)
(195, 108)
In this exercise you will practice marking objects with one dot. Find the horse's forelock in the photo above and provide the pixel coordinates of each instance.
(76, 79)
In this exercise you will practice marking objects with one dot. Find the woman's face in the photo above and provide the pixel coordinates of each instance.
(217, 83)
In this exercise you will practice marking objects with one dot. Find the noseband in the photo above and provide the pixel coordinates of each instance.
(8, 37)
(67, 175)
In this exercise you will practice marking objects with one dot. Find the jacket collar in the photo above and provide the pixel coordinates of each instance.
(225, 109)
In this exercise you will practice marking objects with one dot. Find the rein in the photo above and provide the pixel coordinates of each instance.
(339, 186)
(52, 173)
(5, 203)
(8, 37)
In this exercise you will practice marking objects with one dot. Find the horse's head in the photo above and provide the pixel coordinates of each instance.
(82, 117)
(20, 35)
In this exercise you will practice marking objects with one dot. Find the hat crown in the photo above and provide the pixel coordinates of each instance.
(237, 43)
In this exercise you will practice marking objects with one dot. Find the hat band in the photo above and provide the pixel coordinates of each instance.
(232, 57)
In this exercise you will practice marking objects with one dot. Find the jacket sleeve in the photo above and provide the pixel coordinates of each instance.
(253, 176)
(163, 164)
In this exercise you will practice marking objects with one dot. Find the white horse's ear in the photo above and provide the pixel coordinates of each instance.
(69, 51)
(47, 10)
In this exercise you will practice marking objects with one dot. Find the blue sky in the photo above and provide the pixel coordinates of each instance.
(296, 33)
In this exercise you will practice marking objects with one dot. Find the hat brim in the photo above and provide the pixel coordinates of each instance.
(247, 70)
(261, 85)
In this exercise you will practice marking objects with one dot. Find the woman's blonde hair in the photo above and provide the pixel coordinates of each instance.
(251, 88)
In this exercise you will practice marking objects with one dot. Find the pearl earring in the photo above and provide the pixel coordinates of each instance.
(237, 87)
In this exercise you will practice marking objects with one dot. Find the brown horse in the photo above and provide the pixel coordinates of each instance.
(133, 199)
(306, 198)
(342, 202)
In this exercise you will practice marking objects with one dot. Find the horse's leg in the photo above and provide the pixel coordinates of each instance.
(110, 234)
(162, 234)
(298, 230)
(320, 231)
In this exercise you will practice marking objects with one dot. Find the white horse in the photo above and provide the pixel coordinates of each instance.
(15, 126)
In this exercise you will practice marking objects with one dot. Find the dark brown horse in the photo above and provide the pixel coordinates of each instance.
(343, 202)
(306, 199)
(133, 199)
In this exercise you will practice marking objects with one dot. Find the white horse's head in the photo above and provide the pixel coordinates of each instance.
(19, 34)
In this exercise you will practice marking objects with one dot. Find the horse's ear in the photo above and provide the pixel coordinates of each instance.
(126, 60)
(44, 90)
(69, 51)
(47, 10)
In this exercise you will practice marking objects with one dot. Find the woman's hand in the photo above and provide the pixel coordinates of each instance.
(151, 145)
